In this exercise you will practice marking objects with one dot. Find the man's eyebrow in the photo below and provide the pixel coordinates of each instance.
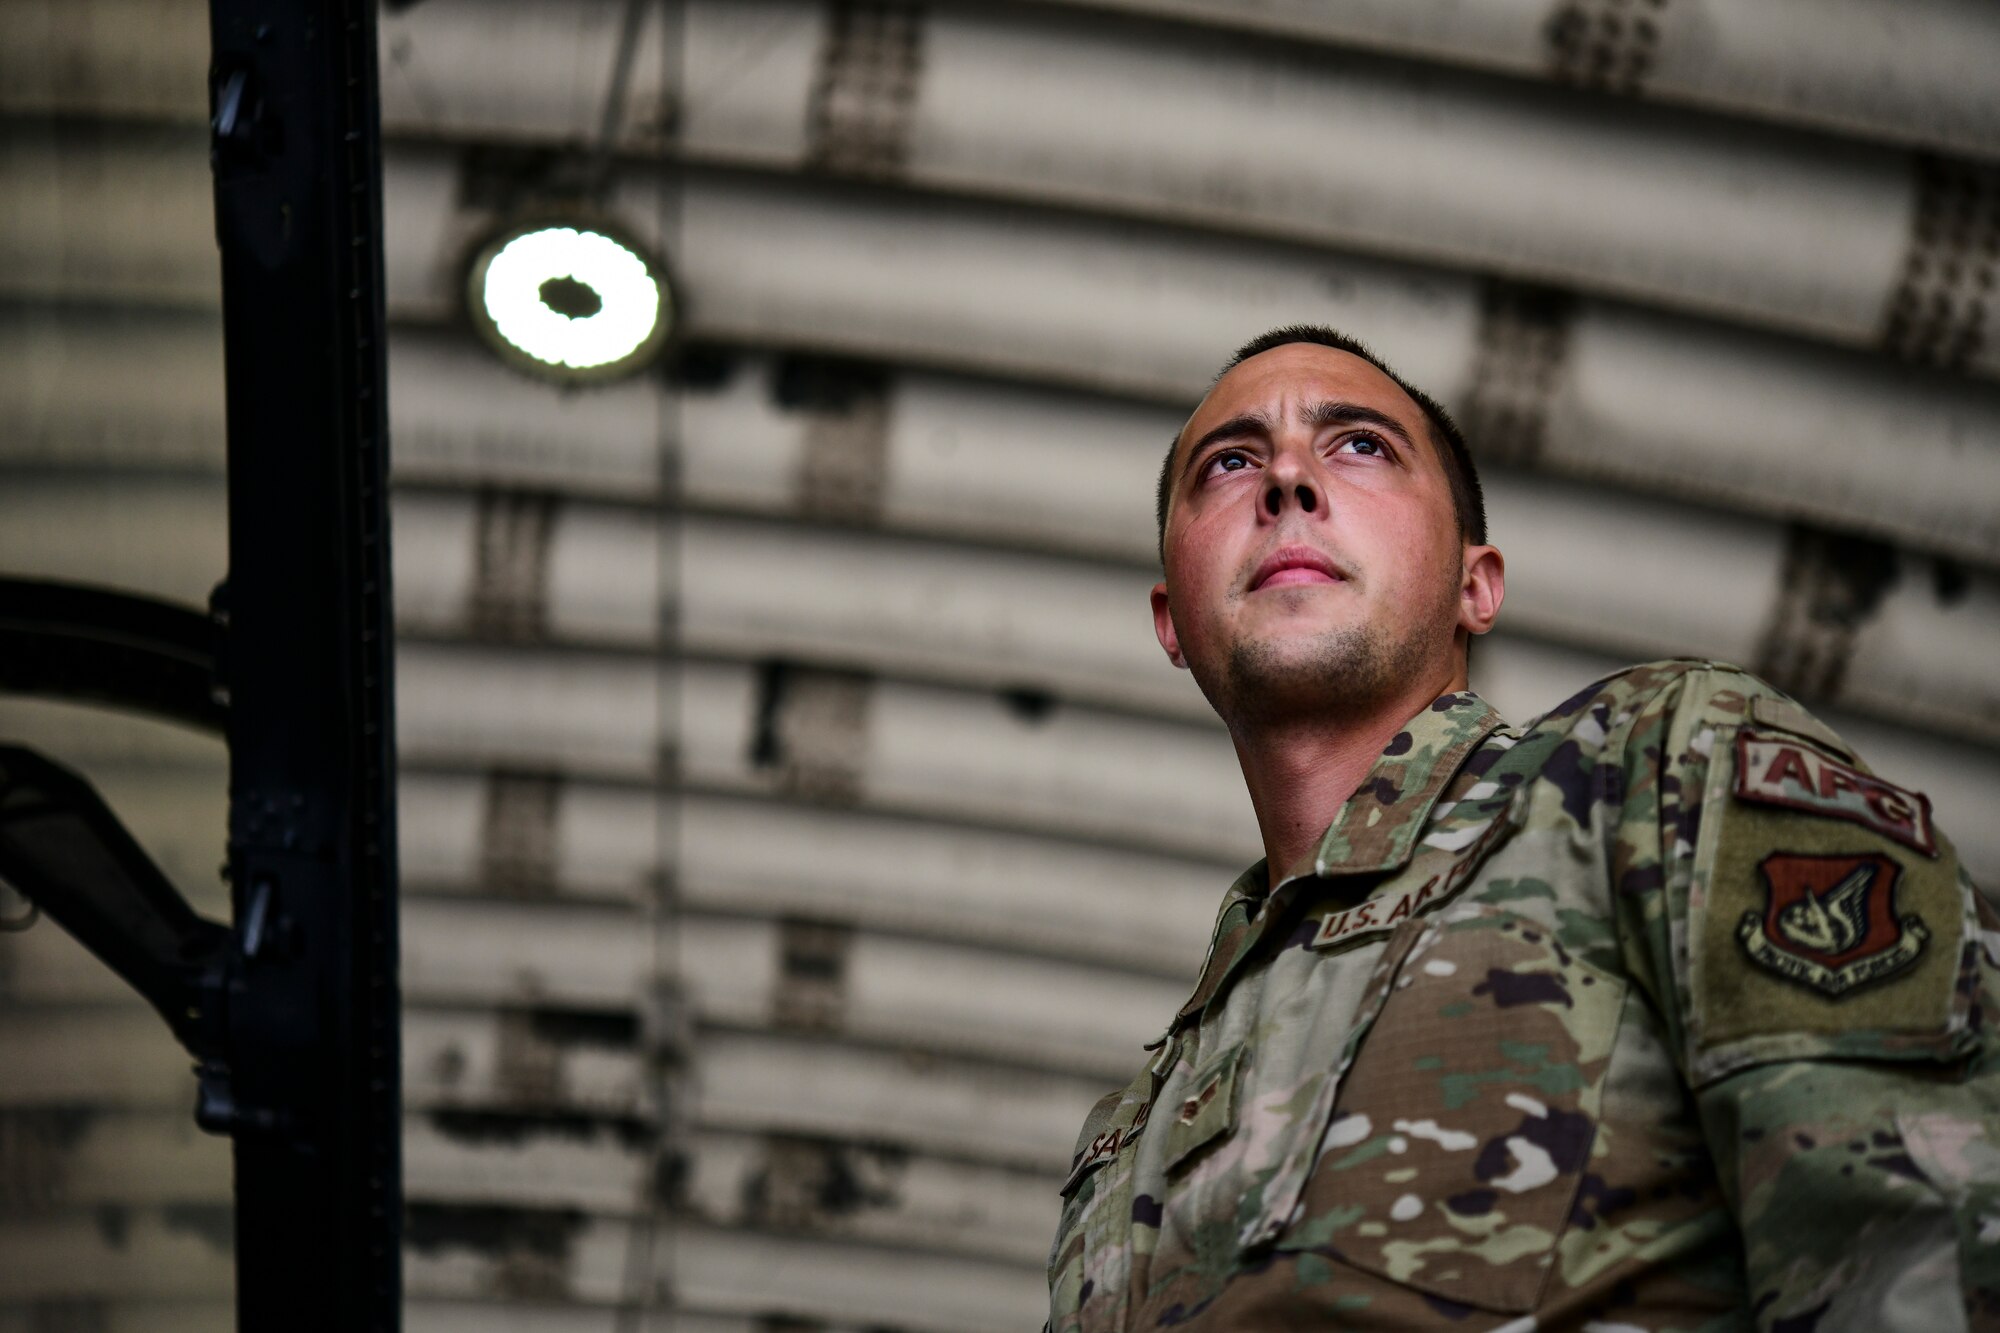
(1247, 423)
(1322, 414)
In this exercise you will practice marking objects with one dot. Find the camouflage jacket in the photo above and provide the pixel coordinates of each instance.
(1661, 1012)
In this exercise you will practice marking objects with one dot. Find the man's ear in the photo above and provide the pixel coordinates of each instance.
(1482, 587)
(1163, 626)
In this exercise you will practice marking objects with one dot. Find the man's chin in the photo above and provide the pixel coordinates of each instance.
(1274, 676)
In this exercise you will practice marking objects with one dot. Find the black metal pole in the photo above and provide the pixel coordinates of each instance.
(314, 1086)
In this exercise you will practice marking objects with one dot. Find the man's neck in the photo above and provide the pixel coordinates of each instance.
(1301, 771)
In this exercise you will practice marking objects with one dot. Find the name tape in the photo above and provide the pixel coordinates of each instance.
(1377, 914)
(1108, 1145)
(1384, 912)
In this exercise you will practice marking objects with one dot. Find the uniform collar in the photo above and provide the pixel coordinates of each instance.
(1376, 829)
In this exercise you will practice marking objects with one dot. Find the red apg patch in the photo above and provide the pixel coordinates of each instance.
(1829, 922)
(1774, 770)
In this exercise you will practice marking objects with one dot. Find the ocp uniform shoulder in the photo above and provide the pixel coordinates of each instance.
(1832, 963)
(1514, 933)
(1454, 927)
(1822, 914)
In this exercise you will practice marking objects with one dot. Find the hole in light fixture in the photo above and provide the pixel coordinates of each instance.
(572, 300)
(568, 297)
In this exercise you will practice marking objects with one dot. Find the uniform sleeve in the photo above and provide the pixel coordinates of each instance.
(1820, 961)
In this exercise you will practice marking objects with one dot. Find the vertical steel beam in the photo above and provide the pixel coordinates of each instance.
(313, 1087)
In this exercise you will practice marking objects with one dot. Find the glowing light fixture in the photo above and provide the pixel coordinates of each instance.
(570, 300)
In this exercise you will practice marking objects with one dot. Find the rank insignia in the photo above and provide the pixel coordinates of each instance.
(1829, 922)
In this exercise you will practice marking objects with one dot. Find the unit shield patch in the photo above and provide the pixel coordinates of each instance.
(1829, 922)
(1827, 914)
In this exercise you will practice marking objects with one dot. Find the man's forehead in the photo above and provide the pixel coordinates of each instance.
(1285, 377)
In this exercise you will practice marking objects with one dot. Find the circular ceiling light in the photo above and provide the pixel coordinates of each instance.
(569, 300)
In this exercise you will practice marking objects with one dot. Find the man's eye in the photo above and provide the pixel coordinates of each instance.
(1227, 463)
(1368, 445)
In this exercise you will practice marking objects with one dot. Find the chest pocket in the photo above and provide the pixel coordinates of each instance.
(1459, 1137)
(1207, 1112)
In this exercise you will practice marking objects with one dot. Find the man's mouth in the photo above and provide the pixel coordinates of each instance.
(1294, 565)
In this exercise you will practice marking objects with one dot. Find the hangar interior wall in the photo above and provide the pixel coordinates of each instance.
(800, 827)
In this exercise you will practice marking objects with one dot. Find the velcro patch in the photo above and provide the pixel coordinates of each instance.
(1375, 915)
(1830, 922)
(1819, 937)
(1776, 770)
(1390, 905)
(1108, 1145)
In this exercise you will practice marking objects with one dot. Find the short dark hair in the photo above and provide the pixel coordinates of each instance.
(1467, 500)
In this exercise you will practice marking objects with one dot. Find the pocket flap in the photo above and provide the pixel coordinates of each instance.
(1208, 1111)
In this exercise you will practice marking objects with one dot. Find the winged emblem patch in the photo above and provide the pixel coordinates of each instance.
(1829, 922)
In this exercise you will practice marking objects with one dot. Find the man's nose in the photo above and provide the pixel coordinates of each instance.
(1289, 482)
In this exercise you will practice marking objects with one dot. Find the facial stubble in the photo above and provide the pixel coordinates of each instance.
(1343, 672)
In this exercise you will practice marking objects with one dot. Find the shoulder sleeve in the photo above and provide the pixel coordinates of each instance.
(1820, 959)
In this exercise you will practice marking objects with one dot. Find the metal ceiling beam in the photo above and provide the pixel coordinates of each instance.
(1841, 241)
(1608, 572)
(142, 1159)
(1588, 389)
(1022, 762)
(1909, 73)
(965, 999)
(1728, 220)
(954, 456)
(586, 1260)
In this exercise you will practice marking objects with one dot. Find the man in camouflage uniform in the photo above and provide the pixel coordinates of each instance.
(1658, 1012)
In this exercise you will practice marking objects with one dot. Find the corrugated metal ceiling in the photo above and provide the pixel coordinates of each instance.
(800, 827)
